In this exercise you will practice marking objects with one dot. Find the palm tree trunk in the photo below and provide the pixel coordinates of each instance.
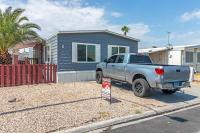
(5, 57)
(125, 33)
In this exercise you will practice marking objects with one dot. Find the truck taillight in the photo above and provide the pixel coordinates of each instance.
(159, 71)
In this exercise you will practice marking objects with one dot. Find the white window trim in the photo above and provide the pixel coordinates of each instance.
(198, 51)
(97, 52)
(189, 50)
(48, 62)
(110, 52)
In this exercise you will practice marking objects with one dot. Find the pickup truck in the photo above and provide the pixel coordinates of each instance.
(139, 71)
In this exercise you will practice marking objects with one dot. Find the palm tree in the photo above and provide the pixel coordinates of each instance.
(14, 28)
(125, 29)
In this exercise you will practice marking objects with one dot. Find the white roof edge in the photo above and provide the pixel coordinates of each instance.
(97, 31)
(153, 50)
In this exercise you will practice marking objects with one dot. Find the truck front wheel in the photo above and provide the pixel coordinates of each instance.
(99, 76)
(141, 87)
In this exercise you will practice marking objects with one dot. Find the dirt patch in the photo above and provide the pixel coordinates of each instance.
(44, 108)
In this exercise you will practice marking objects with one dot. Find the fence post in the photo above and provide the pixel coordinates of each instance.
(2, 75)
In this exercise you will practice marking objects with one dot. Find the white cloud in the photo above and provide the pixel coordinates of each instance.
(116, 14)
(54, 16)
(190, 37)
(187, 16)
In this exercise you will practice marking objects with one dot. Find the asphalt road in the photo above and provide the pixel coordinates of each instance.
(187, 121)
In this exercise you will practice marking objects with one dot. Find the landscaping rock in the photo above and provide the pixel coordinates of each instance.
(11, 100)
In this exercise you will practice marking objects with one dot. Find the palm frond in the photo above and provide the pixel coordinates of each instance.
(30, 26)
(22, 19)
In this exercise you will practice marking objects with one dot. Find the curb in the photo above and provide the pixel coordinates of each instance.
(120, 120)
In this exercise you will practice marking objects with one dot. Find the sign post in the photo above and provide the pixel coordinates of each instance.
(106, 89)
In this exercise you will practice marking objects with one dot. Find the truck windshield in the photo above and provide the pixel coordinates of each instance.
(140, 59)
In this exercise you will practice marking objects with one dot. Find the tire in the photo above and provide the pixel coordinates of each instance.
(168, 92)
(99, 76)
(141, 87)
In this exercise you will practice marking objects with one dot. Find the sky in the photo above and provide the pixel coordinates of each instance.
(148, 20)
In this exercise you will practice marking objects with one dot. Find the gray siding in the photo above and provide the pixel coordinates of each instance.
(52, 42)
(65, 48)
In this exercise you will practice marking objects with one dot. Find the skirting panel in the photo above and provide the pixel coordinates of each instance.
(75, 76)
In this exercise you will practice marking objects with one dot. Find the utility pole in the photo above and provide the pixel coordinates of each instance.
(169, 45)
(169, 38)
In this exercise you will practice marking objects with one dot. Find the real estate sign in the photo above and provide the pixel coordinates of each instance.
(106, 89)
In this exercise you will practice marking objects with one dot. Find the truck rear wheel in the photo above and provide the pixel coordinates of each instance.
(99, 76)
(168, 92)
(141, 87)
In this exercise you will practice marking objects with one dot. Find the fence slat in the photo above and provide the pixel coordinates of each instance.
(45, 73)
(29, 74)
(38, 75)
(13, 75)
(2, 75)
(34, 74)
(48, 80)
(7, 75)
(54, 73)
(51, 80)
(24, 74)
(19, 75)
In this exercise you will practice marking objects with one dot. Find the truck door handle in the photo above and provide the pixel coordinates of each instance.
(112, 65)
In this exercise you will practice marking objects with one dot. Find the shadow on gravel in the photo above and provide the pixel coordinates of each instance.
(47, 105)
(158, 95)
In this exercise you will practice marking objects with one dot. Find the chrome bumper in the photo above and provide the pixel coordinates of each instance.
(173, 85)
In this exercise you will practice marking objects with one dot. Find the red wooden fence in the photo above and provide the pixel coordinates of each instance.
(26, 74)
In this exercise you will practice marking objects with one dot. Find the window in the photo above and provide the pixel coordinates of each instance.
(198, 57)
(189, 56)
(112, 59)
(120, 59)
(140, 59)
(83, 52)
(86, 53)
(115, 49)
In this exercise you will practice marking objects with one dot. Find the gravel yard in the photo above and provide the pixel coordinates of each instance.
(197, 77)
(49, 107)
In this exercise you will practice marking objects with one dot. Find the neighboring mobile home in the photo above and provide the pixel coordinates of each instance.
(31, 49)
(76, 53)
(177, 55)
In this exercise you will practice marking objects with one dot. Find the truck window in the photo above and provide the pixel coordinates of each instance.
(112, 59)
(137, 59)
(120, 59)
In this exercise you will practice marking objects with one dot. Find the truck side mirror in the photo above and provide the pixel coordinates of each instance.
(106, 61)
